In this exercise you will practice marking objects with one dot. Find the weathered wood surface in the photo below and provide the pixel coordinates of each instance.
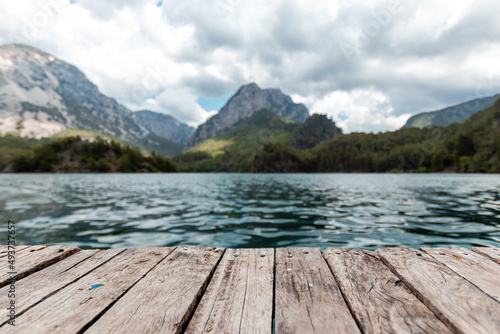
(378, 299)
(78, 305)
(211, 290)
(471, 266)
(166, 298)
(308, 299)
(45, 282)
(32, 260)
(4, 250)
(239, 298)
(456, 301)
(491, 252)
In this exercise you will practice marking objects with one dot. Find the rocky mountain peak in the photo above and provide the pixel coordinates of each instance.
(41, 95)
(247, 100)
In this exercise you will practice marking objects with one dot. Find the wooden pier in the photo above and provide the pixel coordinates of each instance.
(62, 289)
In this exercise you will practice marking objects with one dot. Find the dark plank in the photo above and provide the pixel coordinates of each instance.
(378, 299)
(34, 259)
(165, 299)
(456, 301)
(308, 299)
(40, 285)
(75, 307)
(239, 298)
(491, 252)
(474, 267)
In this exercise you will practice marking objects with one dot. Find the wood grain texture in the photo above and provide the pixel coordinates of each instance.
(34, 259)
(166, 298)
(40, 285)
(456, 301)
(471, 266)
(75, 307)
(307, 298)
(378, 299)
(491, 252)
(239, 298)
(4, 250)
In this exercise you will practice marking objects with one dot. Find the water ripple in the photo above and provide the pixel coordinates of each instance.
(248, 210)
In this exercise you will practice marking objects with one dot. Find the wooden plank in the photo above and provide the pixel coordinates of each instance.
(308, 299)
(166, 298)
(4, 250)
(73, 308)
(456, 301)
(34, 259)
(377, 298)
(239, 298)
(23, 248)
(473, 267)
(491, 252)
(40, 285)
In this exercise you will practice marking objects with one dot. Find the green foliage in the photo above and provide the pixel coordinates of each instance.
(72, 154)
(470, 147)
(157, 163)
(11, 146)
(278, 158)
(315, 130)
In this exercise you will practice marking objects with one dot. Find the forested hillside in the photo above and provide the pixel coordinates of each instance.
(471, 146)
(74, 155)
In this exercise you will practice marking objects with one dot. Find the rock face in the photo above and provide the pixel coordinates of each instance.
(247, 100)
(450, 115)
(164, 126)
(41, 95)
(316, 129)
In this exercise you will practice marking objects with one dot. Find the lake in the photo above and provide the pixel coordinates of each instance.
(252, 210)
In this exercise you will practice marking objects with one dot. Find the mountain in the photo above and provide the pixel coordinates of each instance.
(316, 129)
(450, 115)
(234, 149)
(164, 126)
(41, 95)
(247, 100)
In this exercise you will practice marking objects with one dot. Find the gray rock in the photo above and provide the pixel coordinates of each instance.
(450, 115)
(41, 95)
(247, 100)
(164, 126)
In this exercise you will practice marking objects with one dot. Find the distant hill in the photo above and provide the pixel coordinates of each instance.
(41, 96)
(243, 104)
(315, 130)
(450, 115)
(75, 155)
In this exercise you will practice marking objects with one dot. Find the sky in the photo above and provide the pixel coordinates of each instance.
(367, 64)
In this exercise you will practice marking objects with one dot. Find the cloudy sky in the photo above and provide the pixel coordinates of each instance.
(368, 64)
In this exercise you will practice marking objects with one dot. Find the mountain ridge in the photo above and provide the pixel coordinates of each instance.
(450, 115)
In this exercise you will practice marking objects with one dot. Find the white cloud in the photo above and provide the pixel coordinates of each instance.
(359, 110)
(402, 59)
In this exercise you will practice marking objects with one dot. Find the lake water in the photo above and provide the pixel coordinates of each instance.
(252, 210)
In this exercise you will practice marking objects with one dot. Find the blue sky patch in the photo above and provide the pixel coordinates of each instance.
(343, 116)
(210, 104)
